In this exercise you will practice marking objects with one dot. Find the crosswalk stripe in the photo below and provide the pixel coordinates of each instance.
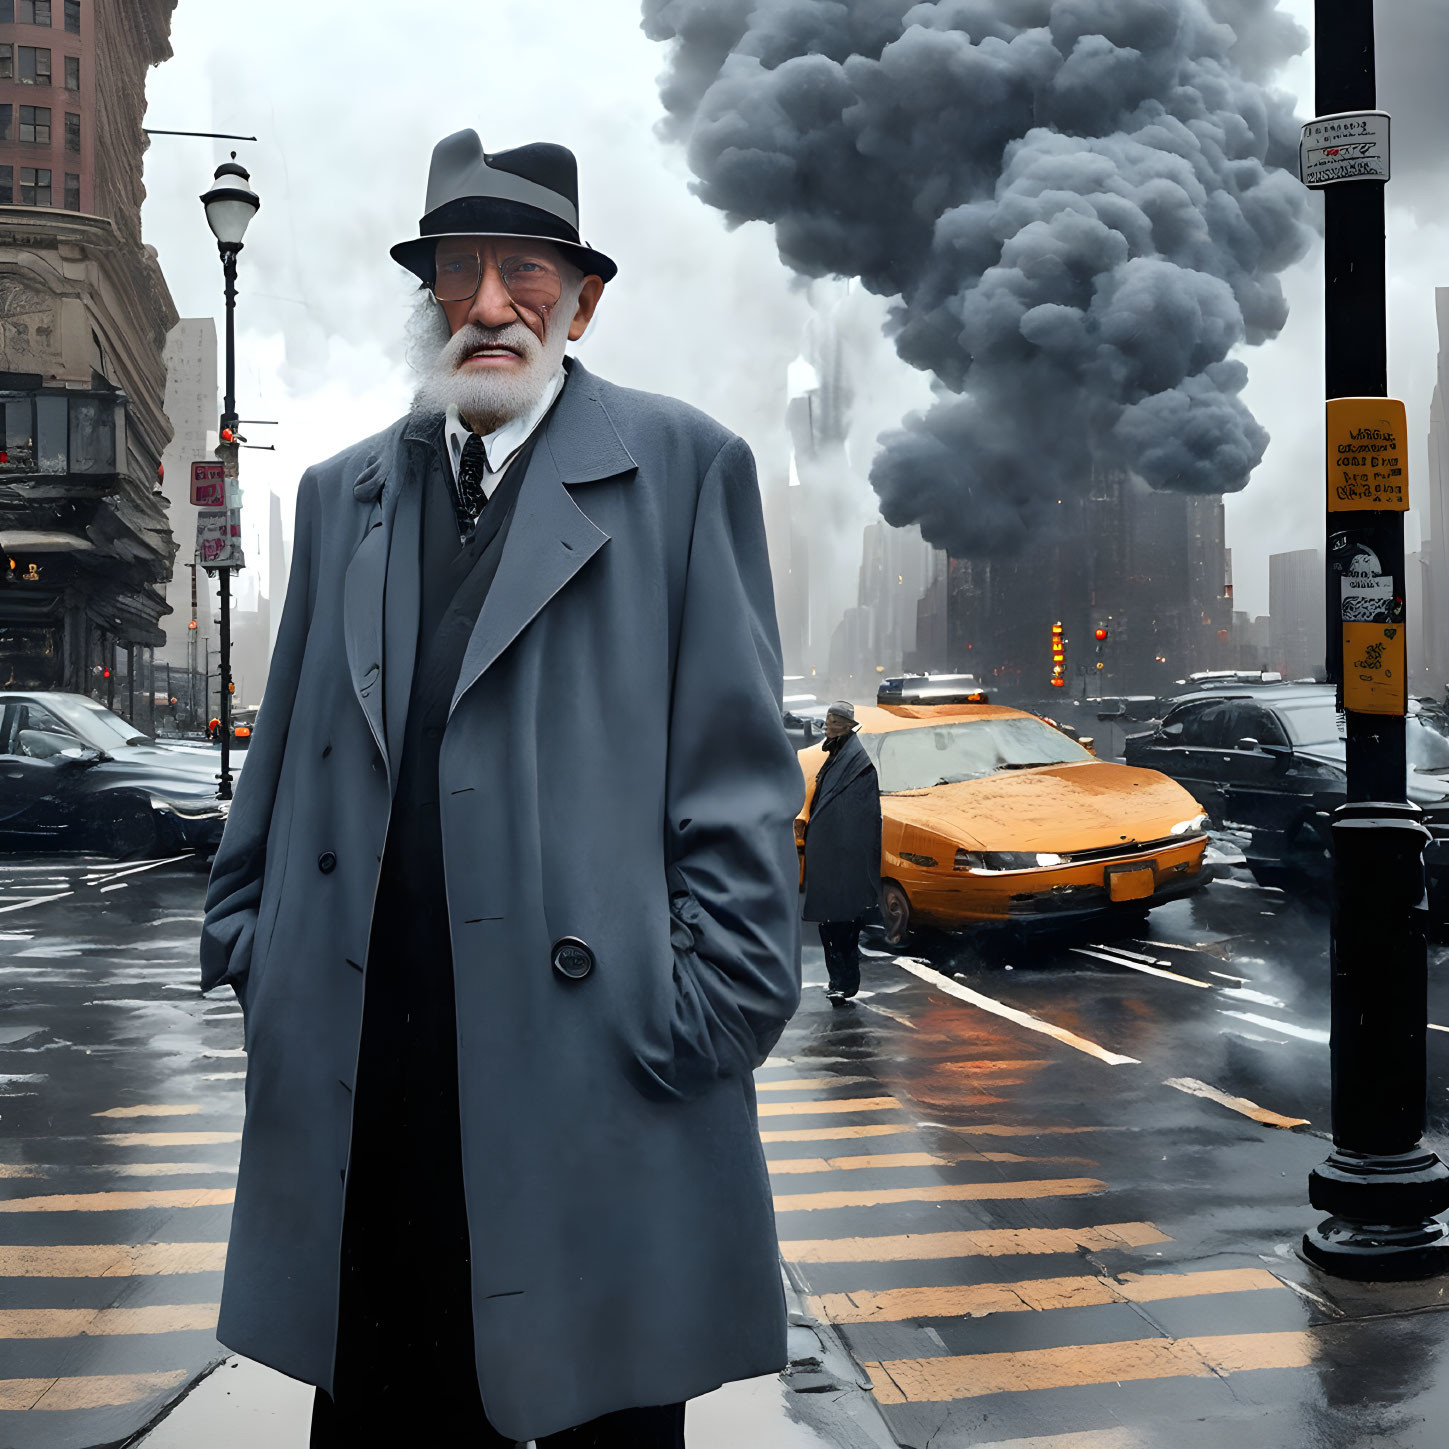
(809, 1084)
(976, 1300)
(886, 1129)
(94, 1322)
(92, 1391)
(845, 1164)
(91, 1202)
(168, 1139)
(836, 1134)
(112, 1169)
(109, 1260)
(186, 1111)
(940, 1192)
(972, 1243)
(834, 1104)
(969, 1376)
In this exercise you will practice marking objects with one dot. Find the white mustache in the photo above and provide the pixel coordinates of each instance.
(470, 339)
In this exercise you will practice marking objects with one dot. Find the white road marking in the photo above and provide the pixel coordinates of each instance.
(1010, 1013)
(120, 887)
(1258, 998)
(1195, 1088)
(35, 901)
(1130, 955)
(1141, 966)
(1223, 975)
(1288, 1028)
(1434, 1026)
(894, 1015)
(134, 869)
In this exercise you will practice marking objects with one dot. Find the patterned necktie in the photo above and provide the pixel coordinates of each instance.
(472, 467)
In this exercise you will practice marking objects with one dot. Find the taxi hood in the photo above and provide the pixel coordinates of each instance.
(1060, 808)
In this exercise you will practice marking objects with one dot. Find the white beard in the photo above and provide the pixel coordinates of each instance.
(485, 399)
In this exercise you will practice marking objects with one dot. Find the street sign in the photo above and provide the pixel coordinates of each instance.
(208, 484)
(218, 538)
(1347, 146)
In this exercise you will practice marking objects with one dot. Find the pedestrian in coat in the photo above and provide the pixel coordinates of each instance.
(511, 919)
(842, 849)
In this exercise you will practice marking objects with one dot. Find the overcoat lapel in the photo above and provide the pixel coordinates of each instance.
(550, 538)
(373, 624)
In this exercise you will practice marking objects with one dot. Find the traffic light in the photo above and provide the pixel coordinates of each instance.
(1059, 658)
(1101, 636)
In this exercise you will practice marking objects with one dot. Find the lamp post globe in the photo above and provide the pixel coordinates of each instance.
(230, 204)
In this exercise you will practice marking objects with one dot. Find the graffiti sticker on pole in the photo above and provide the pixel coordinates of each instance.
(208, 485)
(1348, 146)
(1367, 455)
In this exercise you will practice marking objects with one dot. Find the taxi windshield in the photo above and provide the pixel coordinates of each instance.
(945, 754)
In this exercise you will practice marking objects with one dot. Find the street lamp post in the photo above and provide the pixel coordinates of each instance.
(230, 205)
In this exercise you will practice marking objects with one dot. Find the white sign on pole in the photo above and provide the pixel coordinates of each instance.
(208, 485)
(218, 538)
(1349, 146)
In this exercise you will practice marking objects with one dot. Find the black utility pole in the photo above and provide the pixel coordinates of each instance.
(1381, 1187)
(228, 435)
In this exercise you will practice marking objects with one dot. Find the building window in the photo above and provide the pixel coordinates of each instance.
(7, 62)
(35, 124)
(72, 16)
(72, 72)
(72, 191)
(35, 12)
(7, 115)
(72, 132)
(7, 12)
(34, 187)
(7, 185)
(34, 66)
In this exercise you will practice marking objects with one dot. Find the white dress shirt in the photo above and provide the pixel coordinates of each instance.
(502, 445)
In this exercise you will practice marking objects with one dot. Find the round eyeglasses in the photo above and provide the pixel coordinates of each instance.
(531, 279)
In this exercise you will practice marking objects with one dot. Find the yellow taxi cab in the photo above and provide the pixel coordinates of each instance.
(992, 816)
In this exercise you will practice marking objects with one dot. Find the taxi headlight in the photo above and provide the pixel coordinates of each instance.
(995, 862)
(1195, 826)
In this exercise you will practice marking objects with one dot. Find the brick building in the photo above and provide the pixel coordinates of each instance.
(85, 543)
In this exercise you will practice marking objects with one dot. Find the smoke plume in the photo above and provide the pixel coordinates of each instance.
(1078, 207)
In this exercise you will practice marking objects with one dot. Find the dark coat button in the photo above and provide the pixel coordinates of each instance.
(572, 958)
(326, 862)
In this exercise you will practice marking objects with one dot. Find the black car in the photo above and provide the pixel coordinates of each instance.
(75, 776)
(1270, 760)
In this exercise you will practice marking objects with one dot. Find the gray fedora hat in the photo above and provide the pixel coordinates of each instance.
(530, 191)
(844, 708)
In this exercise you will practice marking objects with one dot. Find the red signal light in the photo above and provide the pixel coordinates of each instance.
(1101, 634)
(227, 436)
(105, 674)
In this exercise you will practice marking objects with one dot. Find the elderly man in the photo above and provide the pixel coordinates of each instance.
(842, 849)
(510, 916)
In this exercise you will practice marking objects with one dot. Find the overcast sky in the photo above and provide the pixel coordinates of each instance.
(347, 100)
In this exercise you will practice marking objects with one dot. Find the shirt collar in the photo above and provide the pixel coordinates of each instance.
(501, 444)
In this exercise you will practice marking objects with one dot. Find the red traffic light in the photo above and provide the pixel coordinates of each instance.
(1101, 634)
(227, 436)
(105, 674)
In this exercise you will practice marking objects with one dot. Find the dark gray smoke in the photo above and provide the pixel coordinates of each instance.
(1080, 205)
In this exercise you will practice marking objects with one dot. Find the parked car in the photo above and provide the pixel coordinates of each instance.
(75, 776)
(1270, 761)
(993, 816)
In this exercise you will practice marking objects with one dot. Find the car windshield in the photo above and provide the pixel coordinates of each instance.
(1428, 747)
(94, 723)
(1314, 722)
(944, 754)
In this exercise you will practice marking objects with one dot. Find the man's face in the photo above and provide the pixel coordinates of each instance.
(518, 281)
(837, 725)
(509, 307)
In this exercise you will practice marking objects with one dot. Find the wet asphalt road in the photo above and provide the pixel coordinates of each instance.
(1035, 1191)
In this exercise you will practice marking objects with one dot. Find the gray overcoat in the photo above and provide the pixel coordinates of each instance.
(843, 839)
(614, 770)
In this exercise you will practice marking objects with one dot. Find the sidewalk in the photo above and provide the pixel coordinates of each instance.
(822, 1401)
(242, 1405)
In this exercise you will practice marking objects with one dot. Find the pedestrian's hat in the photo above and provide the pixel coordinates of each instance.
(531, 191)
(843, 708)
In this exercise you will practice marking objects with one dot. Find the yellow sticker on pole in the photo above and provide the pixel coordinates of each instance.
(1375, 679)
(1367, 455)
